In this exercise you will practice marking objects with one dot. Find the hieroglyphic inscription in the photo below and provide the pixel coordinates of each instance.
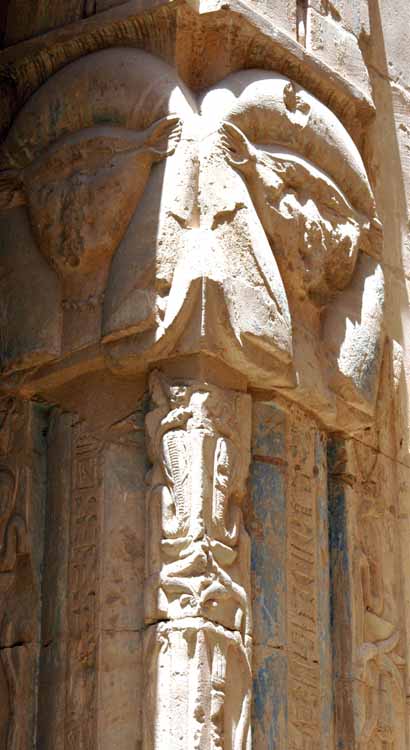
(303, 667)
(83, 579)
(379, 654)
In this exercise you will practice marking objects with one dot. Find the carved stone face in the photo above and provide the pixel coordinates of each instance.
(241, 243)
(309, 222)
(83, 191)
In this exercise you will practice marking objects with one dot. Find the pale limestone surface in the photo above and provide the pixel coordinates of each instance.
(204, 451)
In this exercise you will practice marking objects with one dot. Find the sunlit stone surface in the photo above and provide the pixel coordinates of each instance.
(204, 423)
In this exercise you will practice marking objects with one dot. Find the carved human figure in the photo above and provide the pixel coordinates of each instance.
(378, 661)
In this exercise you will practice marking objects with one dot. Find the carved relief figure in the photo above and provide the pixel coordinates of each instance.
(199, 545)
(198, 565)
(81, 193)
(378, 659)
(314, 230)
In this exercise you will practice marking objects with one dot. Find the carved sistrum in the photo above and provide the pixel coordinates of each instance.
(197, 604)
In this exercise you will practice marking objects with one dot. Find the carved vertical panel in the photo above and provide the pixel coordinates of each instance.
(83, 591)
(267, 527)
(308, 639)
(91, 667)
(197, 606)
(367, 597)
(289, 530)
(369, 642)
(22, 485)
(53, 664)
(120, 682)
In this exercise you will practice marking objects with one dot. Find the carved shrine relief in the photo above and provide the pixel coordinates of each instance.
(198, 565)
(199, 438)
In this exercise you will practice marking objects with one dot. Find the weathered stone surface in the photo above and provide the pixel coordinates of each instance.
(92, 585)
(153, 278)
(338, 46)
(204, 420)
(22, 498)
(289, 532)
(368, 600)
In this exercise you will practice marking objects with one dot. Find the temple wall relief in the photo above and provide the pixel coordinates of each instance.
(364, 513)
(198, 521)
(288, 523)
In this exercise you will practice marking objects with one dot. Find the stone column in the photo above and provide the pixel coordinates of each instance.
(197, 590)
